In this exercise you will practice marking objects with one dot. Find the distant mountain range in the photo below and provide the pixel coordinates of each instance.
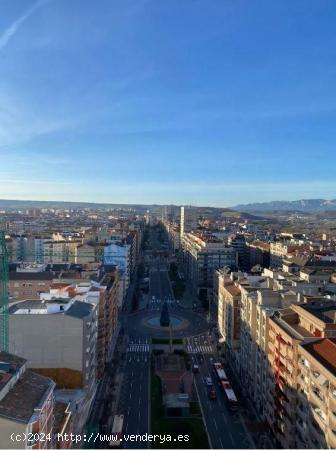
(25, 204)
(206, 211)
(307, 205)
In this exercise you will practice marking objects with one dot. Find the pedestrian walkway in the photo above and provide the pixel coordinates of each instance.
(200, 349)
(138, 346)
(199, 344)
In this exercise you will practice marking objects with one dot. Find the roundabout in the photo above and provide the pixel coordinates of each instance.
(183, 324)
(174, 321)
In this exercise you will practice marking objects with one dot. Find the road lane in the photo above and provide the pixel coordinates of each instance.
(224, 427)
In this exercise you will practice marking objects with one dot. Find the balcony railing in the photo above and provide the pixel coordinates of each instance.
(318, 396)
(319, 417)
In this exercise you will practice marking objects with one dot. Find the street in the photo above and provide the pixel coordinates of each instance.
(225, 429)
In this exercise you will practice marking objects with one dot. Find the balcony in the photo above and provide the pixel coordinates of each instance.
(303, 396)
(271, 346)
(303, 366)
(319, 416)
(319, 399)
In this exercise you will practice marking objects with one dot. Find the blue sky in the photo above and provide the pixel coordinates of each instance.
(208, 102)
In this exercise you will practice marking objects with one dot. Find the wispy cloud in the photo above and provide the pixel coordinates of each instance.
(10, 32)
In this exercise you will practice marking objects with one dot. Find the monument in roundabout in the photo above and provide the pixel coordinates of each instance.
(165, 318)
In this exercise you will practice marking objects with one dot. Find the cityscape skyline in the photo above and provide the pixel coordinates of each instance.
(157, 104)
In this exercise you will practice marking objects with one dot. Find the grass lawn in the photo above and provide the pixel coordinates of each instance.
(192, 427)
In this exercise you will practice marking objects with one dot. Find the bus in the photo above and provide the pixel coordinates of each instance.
(220, 372)
(117, 427)
(230, 395)
(226, 386)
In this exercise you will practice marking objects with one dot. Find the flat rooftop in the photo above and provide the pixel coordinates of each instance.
(29, 305)
(326, 313)
(28, 393)
(324, 351)
(9, 366)
(294, 330)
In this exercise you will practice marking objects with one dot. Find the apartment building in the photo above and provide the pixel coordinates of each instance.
(85, 254)
(39, 249)
(58, 338)
(59, 251)
(20, 248)
(26, 405)
(288, 329)
(103, 294)
(188, 220)
(25, 285)
(280, 251)
(286, 280)
(258, 253)
(118, 254)
(202, 254)
(174, 238)
(250, 318)
(266, 302)
(238, 243)
(132, 240)
(229, 313)
(316, 399)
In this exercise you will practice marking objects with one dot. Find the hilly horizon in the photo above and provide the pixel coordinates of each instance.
(303, 205)
(140, 207)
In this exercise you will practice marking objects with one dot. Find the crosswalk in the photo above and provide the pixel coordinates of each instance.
(199, 344)
(138, 346)
(199, 348)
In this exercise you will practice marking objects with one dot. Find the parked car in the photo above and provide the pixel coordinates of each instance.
(195, 368)
(208, 381)
(212, 393)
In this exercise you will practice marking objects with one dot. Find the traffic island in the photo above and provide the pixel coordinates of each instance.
(173, 415)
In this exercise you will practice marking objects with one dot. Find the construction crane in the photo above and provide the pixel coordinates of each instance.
(3, 293)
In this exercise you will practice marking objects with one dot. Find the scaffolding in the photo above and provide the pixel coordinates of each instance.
(3, 294)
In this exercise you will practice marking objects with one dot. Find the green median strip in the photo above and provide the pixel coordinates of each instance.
(192, 427)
